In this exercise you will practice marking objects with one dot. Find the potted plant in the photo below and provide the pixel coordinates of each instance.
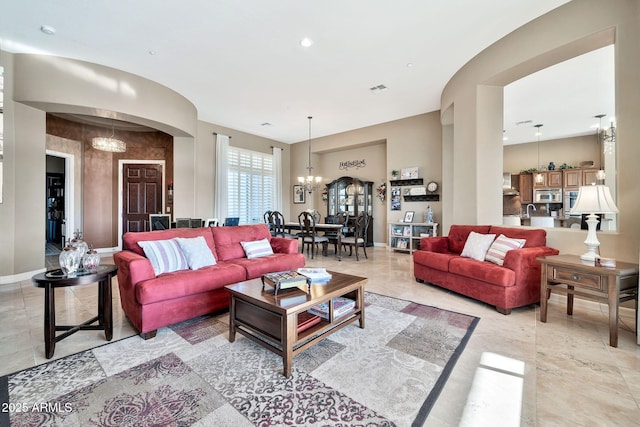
(394, 174)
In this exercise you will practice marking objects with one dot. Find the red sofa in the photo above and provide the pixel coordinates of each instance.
(151, 302)
(514, 284)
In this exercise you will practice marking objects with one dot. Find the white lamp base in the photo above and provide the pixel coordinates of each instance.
(592, 241)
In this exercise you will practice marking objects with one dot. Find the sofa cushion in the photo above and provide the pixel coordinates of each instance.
(257, 248)
(435, 260)
(179, 284)
(227, 239)
(477, 245)
(534, 237)
(458, 235)
(130, 240)
(483, 271)
(196, 252)
(501, 246)
(165, 256)
(278, 262)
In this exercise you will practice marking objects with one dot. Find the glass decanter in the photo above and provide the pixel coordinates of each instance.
(69, 259)
(91, 260)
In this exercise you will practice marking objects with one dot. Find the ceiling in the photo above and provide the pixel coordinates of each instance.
(241, 63)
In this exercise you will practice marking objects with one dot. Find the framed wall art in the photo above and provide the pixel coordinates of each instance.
(298, 194)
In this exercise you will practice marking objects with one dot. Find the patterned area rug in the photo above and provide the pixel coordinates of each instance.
(389, 373)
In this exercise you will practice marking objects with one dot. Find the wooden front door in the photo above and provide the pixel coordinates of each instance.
(142, 195)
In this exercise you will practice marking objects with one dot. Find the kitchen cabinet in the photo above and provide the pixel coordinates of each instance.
(550, 179)
(572, 179)
(589, 176)
(526, 188)
(347, 194)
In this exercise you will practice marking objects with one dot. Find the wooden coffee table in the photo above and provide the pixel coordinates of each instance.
(272, 321)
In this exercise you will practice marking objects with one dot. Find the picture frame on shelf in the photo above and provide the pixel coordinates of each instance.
(298, 194)
(406, 232)
(159, 222)
(408, 216)
(409, 173)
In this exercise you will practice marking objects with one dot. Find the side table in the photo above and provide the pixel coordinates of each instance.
(56, 279)
(569, 275)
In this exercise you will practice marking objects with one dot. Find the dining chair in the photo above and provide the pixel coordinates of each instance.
(359, 237)
(339, 218)
(308, 234)
(277, 226)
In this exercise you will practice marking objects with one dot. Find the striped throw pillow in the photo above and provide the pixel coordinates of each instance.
(165, 256)
(257, 248)
(501, 246)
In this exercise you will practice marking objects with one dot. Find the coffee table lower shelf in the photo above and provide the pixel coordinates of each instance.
(273, 324)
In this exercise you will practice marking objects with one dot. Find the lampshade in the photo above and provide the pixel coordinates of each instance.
(594, 199)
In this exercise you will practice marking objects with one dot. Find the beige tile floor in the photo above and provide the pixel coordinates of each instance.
(571, 375)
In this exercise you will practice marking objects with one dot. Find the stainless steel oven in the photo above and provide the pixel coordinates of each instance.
(570, 198)
(548, 195)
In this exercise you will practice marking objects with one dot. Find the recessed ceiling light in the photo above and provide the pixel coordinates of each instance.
(409, 64)
(48, 30)
(306, 42)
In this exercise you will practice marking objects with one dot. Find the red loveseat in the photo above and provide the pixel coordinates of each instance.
(514, 284)
(151, 302)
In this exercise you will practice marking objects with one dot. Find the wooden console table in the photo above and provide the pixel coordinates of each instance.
(569, 275)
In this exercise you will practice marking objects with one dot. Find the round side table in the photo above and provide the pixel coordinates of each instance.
(57, 279)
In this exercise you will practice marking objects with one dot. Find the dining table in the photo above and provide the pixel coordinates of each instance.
(323, 228)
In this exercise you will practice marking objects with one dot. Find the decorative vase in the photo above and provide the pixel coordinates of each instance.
(79, 244)
(552, 166)
(91, 260)
(70, 259)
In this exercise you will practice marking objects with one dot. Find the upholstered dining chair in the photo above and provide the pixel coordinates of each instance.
(359, 237)
(308, 234)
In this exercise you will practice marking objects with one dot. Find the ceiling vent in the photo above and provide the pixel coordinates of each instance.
(378, 89)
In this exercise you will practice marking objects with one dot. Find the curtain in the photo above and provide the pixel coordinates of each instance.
(277, 179)
(220, 197)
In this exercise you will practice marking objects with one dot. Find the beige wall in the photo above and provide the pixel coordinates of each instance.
(574, 28)
(413, 141)
(36, 84)
(572, 151)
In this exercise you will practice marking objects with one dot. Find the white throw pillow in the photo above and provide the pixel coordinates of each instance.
(165, 256)
(196, 252)
(501, 246)
(477, 245)
(257, 248)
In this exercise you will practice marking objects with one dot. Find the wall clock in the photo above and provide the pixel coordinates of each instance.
(432, 187)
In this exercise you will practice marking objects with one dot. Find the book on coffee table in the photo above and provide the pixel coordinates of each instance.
(307, 320)
(285, 280)
(317, 275)
(341, 306)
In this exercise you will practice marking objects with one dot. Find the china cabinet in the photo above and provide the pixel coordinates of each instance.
(347, 194)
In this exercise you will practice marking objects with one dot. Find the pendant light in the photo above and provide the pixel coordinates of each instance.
(601, 174)
(110, 144)
(538, 177)
(310, 182)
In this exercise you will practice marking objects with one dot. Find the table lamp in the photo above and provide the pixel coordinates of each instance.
(592, 200)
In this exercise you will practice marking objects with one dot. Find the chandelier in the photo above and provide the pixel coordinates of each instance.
(310, 182)
(609, 139)
(110, 144)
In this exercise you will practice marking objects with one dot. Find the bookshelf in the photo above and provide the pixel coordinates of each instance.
(405, 236)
